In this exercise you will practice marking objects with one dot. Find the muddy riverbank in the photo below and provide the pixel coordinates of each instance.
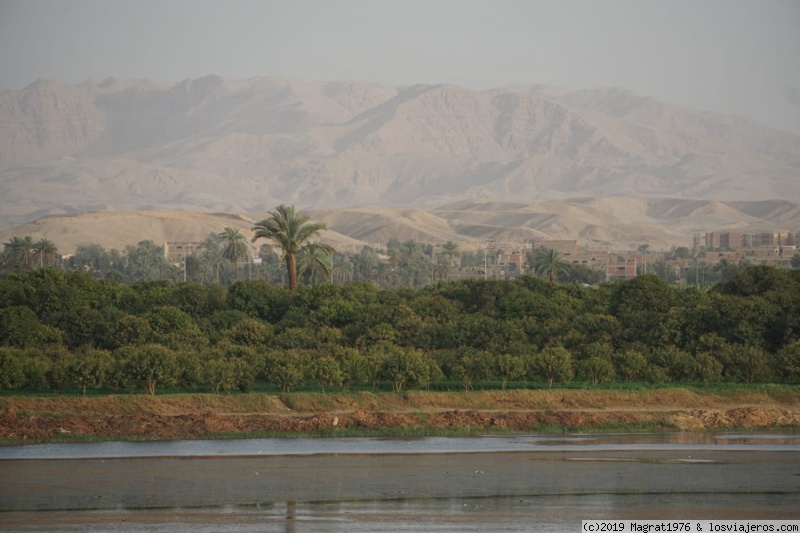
(195, 416)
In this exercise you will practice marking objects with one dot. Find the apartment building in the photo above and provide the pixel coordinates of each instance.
(717, 240)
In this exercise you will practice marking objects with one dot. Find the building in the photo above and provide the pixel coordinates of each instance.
(721, 240)
(621, 268)
(716, 240)
(176, 252)
(564, 247)
(512, 263)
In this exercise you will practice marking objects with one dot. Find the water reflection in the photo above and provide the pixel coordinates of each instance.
(497, 483)
(554, 514)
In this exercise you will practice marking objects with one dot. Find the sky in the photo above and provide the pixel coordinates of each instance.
(727, 56)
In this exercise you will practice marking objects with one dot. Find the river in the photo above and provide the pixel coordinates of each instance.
(493, 483)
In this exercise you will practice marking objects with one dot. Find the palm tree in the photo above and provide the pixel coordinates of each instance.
(22, 250)
(46, 250)
(550, 262)
(643, 250)
(146, 260)
(290, 231)
(411, 253)
(386, 274)
(441, 269)
(365, 264)
(314, 259)
(451, 250)
(342, 269)
(211, 257)
(234, 247)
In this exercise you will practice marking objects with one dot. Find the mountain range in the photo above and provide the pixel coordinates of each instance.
(527, 162)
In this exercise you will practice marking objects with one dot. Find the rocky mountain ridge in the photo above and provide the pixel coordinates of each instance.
(244, 146)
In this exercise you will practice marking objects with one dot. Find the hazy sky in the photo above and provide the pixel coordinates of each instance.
(729, 56)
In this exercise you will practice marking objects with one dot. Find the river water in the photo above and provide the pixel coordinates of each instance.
(493, 483)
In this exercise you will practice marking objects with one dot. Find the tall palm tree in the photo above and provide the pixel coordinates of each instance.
(22, 250)
(146, 260)
(451, 250)
(46, 251)
(411, 253)
(549, 262)
(211, 257)
(365, 264)
(234, 247)
(314, 259)
(643, 250)
(386, 274)
(441, 269)
(342, 269)
(290, 231)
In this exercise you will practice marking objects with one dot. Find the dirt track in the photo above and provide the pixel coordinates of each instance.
(198, 416)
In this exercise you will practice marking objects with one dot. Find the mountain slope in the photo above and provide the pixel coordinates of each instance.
(215, 144)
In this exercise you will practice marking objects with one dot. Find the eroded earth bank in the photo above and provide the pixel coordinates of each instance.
(193, 416)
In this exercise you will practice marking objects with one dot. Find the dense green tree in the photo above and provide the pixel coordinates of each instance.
(290, 231)
(259, 300)
(37, 367)
(220, 373)
(509, 368)
(286, 368)
(596, 370)
(403, 367)
(354, 367)
(251, 332)
(90, 369)
(149, 366)
(173, 328)
(789, 362)
(326, 372)
(472, 365)
(12, 368)
(642, 307)
(677, 363)
(553, 364)
(191, 298)
(746, 363)
(631, 364)
(20, 327)
(131, 330)
(707, 368)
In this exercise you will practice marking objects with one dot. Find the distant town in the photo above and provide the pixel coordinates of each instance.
(708, 259)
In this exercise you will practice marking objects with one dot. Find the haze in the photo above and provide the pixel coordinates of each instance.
(735, 57)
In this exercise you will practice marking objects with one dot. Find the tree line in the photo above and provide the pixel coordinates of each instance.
(60, 330)
(289, 256)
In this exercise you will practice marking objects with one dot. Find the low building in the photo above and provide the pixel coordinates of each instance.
(176, 251)
(562, 246)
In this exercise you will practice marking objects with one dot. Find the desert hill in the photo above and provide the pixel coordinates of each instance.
(244, 146)
(614, 222)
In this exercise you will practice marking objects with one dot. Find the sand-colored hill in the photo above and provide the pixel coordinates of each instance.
(614, 222)
(214, 144)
